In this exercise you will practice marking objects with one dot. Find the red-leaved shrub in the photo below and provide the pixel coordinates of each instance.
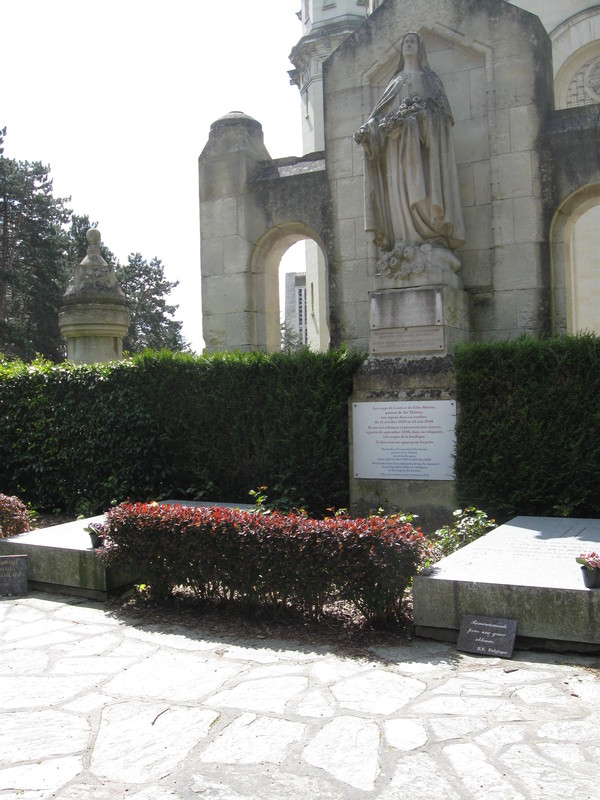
(267, 559)
(14, 516)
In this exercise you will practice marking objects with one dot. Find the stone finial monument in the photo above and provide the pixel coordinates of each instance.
(94, 318)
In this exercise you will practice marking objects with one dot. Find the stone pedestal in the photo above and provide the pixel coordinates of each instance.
(417, 320)
(405, 384)
(418, 305)
(94, 318)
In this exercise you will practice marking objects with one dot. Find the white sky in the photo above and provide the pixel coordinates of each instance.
(117, 97)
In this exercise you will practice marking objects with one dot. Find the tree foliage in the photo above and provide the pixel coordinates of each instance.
(41, 242)
(33, 259)
(146, 288)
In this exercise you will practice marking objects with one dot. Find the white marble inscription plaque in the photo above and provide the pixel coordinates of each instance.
(404, 440)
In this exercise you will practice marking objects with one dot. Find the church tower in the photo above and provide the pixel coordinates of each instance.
(325, 24)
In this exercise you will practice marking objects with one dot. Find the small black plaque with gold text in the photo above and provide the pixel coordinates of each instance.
(488, 636)
(13, 576)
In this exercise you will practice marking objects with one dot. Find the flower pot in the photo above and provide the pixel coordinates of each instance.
(95, 540)
(591, 578)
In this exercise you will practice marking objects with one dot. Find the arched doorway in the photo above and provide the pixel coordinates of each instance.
(576, 262)
(293, 249)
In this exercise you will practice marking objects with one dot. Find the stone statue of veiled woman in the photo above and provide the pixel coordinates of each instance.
(412, 202)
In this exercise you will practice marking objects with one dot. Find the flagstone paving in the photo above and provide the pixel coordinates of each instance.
(97, 706)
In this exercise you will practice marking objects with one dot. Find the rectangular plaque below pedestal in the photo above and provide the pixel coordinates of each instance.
(400, 341)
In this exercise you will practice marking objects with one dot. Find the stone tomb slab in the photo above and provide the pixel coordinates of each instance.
(61, 558)
(523, 570)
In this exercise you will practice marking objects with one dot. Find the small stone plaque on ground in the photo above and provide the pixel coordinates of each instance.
(13, 575)
(488, 636)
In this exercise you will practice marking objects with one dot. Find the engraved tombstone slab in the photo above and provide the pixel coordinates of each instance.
(523, 570)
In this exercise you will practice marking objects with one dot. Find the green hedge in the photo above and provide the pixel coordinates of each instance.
(163, 424)
(267, 560)
(528, 436)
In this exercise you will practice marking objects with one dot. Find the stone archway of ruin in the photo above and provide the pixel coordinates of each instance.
(264, 271)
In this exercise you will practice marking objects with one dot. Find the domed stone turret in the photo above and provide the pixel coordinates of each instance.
(94, 318)
(324, 28)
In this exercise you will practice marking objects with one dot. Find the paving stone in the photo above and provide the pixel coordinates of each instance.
(85, 611)
(154, 714)
(458, 706)
(253, 739)
(260, 695)
(500, 736)
(543, 778)
(347, 748)
(29, 692)
(23, 613)
(279, 650)
(96, 644)
(571, 731)
(262, 671)
(34, 735)
(177, 641)
(256, 652)
(332, 669)
(564, 752)
(446, 728)
(433, 657)
(541, 693)
(586, 687)
(468, 687)
(23, 662)
(514, 675)
(419, 777)
(89, 702)
(267, 787)
(40, 630)
(140, 742)
(100, 666)
(405, 734)
(315, 704)
(176, 676)
(40, 780)
(103, 790)
(129, 647)
(377, 692)
(480, 777)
